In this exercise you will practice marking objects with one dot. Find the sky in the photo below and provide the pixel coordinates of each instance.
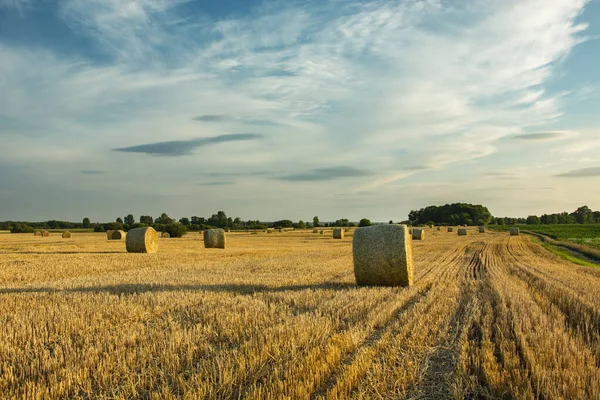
(272, 109)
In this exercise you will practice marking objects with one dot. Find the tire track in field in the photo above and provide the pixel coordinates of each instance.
(369, 341)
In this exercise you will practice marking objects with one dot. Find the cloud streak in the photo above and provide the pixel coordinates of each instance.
(581, 173)
(325, 174)
(540, 136)
(177, 148)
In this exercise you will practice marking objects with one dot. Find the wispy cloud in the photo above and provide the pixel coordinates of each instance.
(186, 147)
(540, 136)
(581, 173)
(217, 183)
(213, 118)
(325, 174)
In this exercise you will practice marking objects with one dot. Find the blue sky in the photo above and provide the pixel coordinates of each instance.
(290, 109)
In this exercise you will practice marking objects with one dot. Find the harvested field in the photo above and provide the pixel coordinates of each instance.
(280, 316)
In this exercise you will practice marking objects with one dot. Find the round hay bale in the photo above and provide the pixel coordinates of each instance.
(315, 231)
(281, 230)
(418, 234)
(515, 231)
(439, 228)
(45, 233)
(214, 239)
(165, 235)
(382, 255)
(321, 232)
(66, 235)
(142, 240)
(37, 233)
(482, 229)
(338, 233)
(450, 229)
(108, 233)
(117, 235)
(462, 232)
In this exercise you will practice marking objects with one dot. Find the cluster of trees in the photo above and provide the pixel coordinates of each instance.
(583, 215)
(451, 214)
(176, 228)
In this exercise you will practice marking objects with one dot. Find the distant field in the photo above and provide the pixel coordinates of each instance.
(586, 234)
(279, 316)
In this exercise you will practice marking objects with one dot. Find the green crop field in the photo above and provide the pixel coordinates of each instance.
(585, 234)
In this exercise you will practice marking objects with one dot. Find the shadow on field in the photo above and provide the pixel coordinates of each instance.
(130, 288)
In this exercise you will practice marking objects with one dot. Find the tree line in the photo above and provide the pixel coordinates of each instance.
(175, 228)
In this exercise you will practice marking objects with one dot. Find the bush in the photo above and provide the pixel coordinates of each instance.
(99, 228)
(22, 228)
(175, 229)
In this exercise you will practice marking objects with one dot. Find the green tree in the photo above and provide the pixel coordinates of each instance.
(146, 220)
(164, 219)
(364, 222)
(316, 222)
(129, 220)
(533, 220)
(86, 222)
(184, 221)
(119, 220)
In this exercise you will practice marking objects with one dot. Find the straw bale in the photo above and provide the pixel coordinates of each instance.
(215, 238)
(142, 240)
(382, 255)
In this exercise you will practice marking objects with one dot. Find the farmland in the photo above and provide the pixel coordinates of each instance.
(585, 234)
(279, 316)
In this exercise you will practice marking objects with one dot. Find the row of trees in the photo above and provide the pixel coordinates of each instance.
(176, 228)
(583, 215)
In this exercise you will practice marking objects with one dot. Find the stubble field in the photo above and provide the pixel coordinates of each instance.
(278, 316)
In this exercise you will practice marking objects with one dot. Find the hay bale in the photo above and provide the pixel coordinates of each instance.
(382, 256)
(439, 228)
(482, 229)
(321, 232)
(108, 233)
(37, 233)
(450, 229)
(215, 239)
(418, 234)
(66, 235)
(142, 240)
(117, 235)
(462, 232)
(315, 231)
(515, 231)
(45, 233)
(338, 233)
(280, 230)
(430, 225)
(165, 235)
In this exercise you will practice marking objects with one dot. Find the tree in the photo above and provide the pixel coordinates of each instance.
(175, 229)
(301, 225)
(86, 222)
(146, 220)
(391, 222)
(164, 219)
(129, 220)
(364, 222)
(119, 220)
(237, 221)
(184, 221)
(533, 220)
(316, 222)
(583, 215)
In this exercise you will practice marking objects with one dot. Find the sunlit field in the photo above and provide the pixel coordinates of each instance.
(278, 316)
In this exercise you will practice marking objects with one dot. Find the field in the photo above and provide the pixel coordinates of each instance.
(278, 316)
(585, 234)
